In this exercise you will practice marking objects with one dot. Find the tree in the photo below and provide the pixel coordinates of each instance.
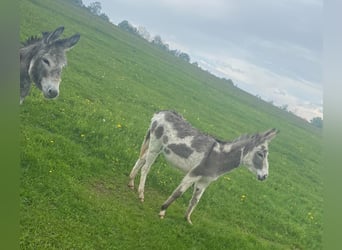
(95, 8)
(195, 64)
(284, 107)
(77, 2)
(159, 42)
(126, 26)
(317, 122)
(175, 52)
(184, 56)
(142, 31)
(104, 17)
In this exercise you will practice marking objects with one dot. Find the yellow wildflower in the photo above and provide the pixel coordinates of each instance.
(243, 197)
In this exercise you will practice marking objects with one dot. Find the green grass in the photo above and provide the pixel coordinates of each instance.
(77, 152)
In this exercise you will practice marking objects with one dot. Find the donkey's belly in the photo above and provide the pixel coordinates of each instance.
(183, 163)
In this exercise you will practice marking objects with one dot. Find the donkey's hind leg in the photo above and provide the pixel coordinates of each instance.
(141, 161)
(150, 158)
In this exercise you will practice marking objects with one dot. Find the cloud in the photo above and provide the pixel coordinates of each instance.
(303, 98)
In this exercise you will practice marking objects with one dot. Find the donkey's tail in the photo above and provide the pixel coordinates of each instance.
(145, 144)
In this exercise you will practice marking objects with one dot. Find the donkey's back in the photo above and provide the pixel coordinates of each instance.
(182, 145)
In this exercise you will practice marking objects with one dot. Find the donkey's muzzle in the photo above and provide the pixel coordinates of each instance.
(51, 93)
(262, 177)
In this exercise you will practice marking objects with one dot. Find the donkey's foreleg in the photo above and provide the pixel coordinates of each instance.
(25, 85)
(183, 186)
(199, 189)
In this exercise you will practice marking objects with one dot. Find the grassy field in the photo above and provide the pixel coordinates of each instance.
(77, 152)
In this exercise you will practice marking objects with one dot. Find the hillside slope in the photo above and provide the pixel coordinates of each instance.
(77, 151)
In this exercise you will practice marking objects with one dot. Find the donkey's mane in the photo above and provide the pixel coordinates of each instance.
(35, 39)
(248, 141)
(244, 137)
(31, 40)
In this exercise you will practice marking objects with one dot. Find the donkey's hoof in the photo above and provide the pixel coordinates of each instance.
(162, 214)
(188, 220)
(141, 196)
(131, 186)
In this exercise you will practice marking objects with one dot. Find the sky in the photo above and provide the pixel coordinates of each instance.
(269, 48)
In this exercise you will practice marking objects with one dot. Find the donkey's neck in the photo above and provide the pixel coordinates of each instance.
(229, 156)
(26, 55)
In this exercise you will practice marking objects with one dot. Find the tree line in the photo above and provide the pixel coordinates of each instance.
(94, 8)
(156, 40)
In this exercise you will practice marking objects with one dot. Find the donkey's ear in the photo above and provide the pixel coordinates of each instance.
(53, 36)
(70, 42)
(270, 134)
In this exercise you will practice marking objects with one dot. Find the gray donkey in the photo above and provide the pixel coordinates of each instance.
(42, 60)
(201, 157)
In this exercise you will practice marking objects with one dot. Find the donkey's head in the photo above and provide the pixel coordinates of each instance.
(46, 65)
(255, 153)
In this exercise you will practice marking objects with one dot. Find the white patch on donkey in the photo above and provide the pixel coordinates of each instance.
(201, 157)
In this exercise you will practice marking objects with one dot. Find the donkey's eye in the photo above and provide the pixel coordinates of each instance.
(260, 154)
(46, 61)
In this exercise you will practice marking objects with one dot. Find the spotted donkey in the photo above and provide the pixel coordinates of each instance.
(201, 157)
